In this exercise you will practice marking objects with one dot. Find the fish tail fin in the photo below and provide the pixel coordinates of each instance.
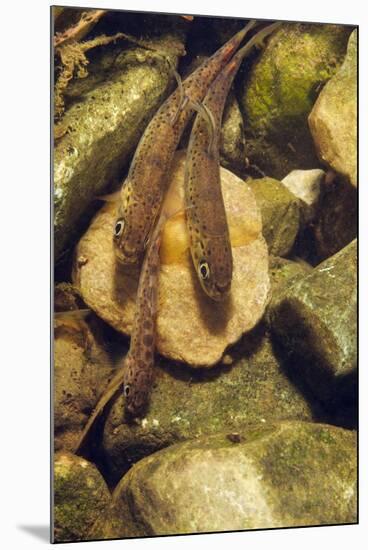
(231, 46)
(258, 39)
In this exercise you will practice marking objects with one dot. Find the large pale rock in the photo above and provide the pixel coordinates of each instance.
(333, 120)
(191, 327)
(80, 497)
(272, 475)
(279, 91)
(99, 132)
(315, 318)
(251, 387)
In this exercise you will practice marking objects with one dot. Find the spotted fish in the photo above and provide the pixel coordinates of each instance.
(134, 379)
(205, 212)
(146, 184)
(138, 368)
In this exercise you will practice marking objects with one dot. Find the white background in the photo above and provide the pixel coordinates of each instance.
(24, 272)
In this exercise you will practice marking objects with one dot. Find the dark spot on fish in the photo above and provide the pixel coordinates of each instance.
(148, 340)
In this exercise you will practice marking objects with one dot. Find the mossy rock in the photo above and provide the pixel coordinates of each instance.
(315, 319)
(280, 211)
(270, 475)
(250, 386)
(278, 95)
(80, 497)
(283, 270)
(333, 120)
(100, 131)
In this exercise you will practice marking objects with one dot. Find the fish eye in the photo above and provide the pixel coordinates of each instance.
(119, 226)
(204, 269)
(126, 390)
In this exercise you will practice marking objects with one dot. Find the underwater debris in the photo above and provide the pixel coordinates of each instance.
(74, 64)
(79, 30)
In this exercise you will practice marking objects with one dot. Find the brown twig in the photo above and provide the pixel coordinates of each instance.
(78, 31)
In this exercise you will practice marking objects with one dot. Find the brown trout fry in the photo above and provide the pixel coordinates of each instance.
(143, 191)
(138, 367)
(135, 376)
(205, 212)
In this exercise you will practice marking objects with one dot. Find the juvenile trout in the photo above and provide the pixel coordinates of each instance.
(205, 212)
(135, 376)
(146, 183)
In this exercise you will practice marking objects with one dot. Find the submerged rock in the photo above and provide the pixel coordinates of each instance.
(306, 185)
(66, 298)
(80, 497)
(187, 404)
(279, 93)
(315, 318)
(282, 271)
(333, 120)
(82, 369)
(280, 214)
(282, 274)
(191, 327)
(336, 222)
(272, 475)
(100, 132)
(232, 150)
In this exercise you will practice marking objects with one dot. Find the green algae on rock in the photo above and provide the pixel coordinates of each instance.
(101, 131)
(315, 318)
(284, 474)
(280, 214)
(333, 120)
(283, 270)
(282, 273)
(80, 497)
(279, 93)
(187, 404)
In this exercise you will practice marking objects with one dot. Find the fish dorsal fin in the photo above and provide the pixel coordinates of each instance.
(207, 115)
